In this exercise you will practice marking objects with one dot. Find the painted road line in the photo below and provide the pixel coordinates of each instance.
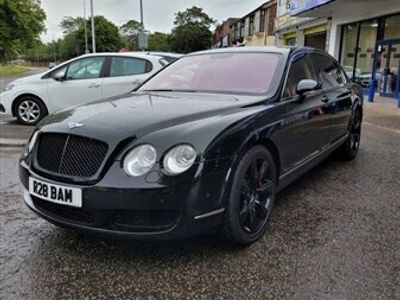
(382, 127)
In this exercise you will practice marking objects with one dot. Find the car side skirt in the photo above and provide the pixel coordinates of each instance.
(294, 173)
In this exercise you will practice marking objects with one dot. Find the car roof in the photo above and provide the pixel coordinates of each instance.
(133, 54)
(159, 54)
(274, 49)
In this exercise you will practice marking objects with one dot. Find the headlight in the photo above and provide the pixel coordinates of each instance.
(179, 159)
(140, 160)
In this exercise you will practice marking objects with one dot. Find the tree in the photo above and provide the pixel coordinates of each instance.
(108, 38)
(159, 41)
(71, 24)
(130, 33)
(21, 23)
(192, 31)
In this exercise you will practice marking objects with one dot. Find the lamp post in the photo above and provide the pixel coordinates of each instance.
(93, 31)
(141, 33)
(86, 35)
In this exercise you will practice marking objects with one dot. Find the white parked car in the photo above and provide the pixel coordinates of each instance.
(80, 80)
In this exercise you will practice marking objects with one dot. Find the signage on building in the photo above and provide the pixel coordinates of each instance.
(288, 20)
(299, 6)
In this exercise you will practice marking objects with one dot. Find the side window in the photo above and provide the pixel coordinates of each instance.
(85, 68)
(329, 71)
(300, 68)
(126, 66)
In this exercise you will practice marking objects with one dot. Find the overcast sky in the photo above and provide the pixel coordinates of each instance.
(158, 14)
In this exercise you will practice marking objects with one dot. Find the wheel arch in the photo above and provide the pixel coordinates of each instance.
(14, 103)
(269, 145)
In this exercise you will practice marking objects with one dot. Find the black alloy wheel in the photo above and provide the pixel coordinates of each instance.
(252, 197)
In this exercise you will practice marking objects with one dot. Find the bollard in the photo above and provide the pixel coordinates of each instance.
(371, 90)
(398, 99)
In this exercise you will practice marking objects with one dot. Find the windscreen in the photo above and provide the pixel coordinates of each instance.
(245, 73)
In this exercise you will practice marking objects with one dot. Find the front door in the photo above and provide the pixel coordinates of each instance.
(82, 83)
(387, 71)
(310, 122)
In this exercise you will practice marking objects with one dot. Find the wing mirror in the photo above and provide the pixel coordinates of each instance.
(307, 85)
(60, 76)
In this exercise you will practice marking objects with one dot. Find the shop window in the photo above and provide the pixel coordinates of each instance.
(366, 49)
(349, 50)
(262, 20)
(242, 24)
(392, 28)
(251, 25)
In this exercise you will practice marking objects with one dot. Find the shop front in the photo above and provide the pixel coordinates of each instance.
(371, 50)
(364, 36)
(316, 37)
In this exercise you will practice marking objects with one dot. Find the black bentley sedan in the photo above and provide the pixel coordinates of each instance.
(204, 144)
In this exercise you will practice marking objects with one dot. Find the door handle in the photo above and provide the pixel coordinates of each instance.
(325, 99)
(94, 85)
(137, 82)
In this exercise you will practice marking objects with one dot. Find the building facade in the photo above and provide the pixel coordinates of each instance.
(256, 28)
(300, 31)
(222, 35)
(364, 35)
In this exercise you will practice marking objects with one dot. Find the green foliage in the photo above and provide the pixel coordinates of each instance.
(71, 24)
(43, 52)
(73, 44)
(192, 31)
(159, 41)
(130, 32)
(21, 23)
(6, 70)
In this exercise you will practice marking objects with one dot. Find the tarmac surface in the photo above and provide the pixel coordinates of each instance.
(334, 235)
(10, 130)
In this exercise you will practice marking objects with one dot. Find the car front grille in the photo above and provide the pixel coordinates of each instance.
(70, 155)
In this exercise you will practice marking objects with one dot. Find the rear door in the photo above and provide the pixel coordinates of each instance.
(125, 74)
(309, 129)
(336, 92)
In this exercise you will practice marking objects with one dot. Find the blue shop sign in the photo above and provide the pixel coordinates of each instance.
(299, 6)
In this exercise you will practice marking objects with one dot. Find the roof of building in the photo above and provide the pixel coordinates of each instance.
(264, 5)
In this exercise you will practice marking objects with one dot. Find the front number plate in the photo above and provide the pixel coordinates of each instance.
(55, 193)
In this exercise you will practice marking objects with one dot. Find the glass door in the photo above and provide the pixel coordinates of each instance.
(387, 68)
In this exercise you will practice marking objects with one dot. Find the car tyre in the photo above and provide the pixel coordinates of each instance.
(251, 197)
(349, 149)
(29, 110)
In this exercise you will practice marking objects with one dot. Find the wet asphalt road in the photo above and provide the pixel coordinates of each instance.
(335, 234)
(9, 127)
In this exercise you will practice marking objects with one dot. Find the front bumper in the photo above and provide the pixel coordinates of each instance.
(5, 103)
(154, 213)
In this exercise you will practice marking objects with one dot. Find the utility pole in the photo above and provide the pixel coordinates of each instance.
(86, 36)
(141, 33)
(93, 31)
(54, 49)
